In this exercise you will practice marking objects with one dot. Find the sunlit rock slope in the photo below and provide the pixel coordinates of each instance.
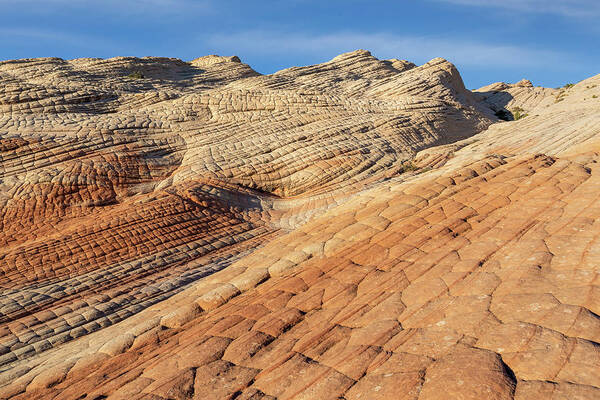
(357, 229)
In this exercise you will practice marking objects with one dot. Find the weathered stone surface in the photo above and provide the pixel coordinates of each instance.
(354, 229)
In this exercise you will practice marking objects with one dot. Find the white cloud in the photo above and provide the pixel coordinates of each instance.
(418, 49)
(567, 8)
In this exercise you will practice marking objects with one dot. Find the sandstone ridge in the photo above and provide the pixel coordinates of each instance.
(359, 228)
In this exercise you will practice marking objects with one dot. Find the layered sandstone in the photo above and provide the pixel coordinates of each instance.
(354, 229)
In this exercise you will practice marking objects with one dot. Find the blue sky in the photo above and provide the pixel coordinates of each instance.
(550, 42)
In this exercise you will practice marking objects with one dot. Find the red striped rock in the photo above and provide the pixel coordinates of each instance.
(360, 228)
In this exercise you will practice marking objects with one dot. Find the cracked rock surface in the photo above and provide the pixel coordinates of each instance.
(357, 229)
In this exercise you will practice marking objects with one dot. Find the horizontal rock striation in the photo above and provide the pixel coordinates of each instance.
(360, 228)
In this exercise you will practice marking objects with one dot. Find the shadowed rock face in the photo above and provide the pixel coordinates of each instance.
(354, 229)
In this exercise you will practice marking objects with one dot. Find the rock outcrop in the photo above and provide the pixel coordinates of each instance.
(508, 99)
(360, 228)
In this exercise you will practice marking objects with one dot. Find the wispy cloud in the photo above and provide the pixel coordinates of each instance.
(132, 3)
(384, 45)
(567, 8)
(140, 7)
(41, 34)
(36, 40)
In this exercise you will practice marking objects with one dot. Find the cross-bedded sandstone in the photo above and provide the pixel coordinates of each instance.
(344, 230)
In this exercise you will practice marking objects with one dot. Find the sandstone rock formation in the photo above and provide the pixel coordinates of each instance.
(357, 229)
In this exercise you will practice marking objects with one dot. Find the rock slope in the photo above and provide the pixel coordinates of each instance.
(360, 228)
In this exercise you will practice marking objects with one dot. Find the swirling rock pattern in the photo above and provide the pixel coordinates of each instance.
(360, 228)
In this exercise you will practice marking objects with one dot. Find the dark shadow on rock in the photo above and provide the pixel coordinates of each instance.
(496, 101)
